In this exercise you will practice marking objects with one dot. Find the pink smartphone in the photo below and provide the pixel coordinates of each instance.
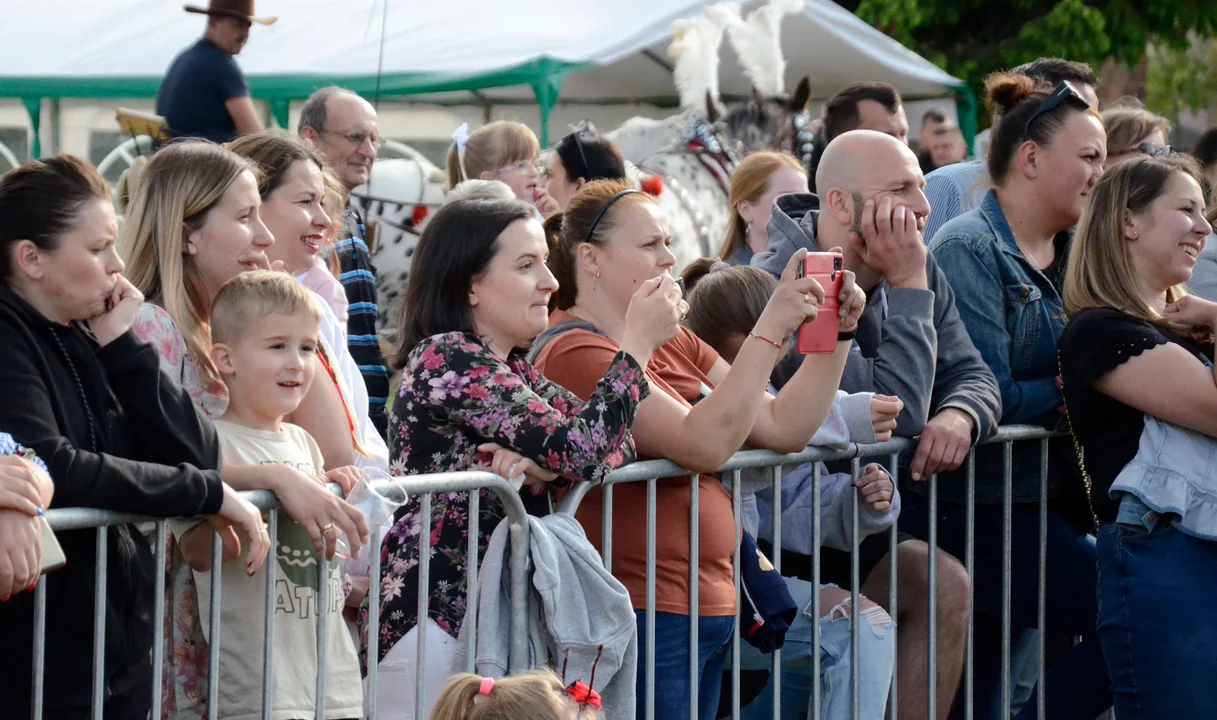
(819, 336)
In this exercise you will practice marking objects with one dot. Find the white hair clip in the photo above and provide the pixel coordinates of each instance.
(460, 136)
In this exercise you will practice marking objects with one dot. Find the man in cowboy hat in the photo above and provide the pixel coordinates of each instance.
(204, 92)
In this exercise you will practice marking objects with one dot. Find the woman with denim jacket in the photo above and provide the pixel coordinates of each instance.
(1004, 262)
(1137, 372)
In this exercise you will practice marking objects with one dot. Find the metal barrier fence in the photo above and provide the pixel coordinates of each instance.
(651, 471)
(422, 486)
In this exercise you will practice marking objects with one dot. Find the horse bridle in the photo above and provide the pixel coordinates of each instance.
(804, 138)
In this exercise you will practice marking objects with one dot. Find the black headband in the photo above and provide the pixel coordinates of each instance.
(592, 230)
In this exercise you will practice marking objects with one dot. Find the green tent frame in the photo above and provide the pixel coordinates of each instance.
(543, 75)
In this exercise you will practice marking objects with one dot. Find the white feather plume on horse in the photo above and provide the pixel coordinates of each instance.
(685, 154)
(758, 42)
(694, 47)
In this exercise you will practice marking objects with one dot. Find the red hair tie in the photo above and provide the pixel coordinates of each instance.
(583, 694)
(486, 686)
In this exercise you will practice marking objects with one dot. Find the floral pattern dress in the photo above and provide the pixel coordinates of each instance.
(455, 394)
(184, 682)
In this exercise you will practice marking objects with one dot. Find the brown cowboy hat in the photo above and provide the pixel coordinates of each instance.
(239, 9)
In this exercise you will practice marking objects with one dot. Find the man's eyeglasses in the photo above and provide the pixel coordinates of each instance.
(357, 138)
(1065, 92)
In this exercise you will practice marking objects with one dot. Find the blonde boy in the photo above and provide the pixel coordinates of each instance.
(264, 328)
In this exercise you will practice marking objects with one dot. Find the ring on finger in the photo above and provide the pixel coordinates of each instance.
(327, 528)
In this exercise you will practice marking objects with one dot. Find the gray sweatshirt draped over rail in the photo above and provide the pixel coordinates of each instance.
(580, 616)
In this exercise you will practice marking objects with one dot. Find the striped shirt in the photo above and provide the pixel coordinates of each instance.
(952, 191)
(358, 278)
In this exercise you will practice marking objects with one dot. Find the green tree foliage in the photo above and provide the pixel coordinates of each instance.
(972, 38)
(1181, 78)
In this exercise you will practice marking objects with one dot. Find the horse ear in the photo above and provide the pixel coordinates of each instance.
(802, 95)
(713, 111)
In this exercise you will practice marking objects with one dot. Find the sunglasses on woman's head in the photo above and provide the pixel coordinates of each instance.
(579, 145)
(1065, 92)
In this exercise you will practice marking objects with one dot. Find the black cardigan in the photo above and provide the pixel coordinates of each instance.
(149, 452)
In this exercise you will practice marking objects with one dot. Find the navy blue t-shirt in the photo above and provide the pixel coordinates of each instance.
(192, 95)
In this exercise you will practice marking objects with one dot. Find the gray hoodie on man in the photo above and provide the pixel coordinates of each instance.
(910, 343)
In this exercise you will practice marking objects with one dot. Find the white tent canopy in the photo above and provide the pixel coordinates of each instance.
(607, 51)
(826, 42)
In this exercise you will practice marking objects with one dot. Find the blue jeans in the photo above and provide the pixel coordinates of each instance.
(876, 654)
(1159, 634)
(672, 691)
(1078, 685)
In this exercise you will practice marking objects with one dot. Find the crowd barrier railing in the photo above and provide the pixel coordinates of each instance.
(888, 453)
(650, 472)
(420, 486)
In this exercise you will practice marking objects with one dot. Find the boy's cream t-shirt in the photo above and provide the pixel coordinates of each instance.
(243, 608)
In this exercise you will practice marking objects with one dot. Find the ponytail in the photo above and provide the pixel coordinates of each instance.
(561, 264)
(455, 166)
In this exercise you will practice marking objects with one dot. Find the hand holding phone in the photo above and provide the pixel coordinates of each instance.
(818, 336)
(796, 300)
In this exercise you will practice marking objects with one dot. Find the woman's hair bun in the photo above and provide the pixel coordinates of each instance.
(1006, 90)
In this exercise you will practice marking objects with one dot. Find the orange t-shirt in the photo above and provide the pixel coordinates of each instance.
(576, 360)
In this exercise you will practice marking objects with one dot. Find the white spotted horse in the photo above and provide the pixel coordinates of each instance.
(694, 166)
(399, 196)
(696, 159)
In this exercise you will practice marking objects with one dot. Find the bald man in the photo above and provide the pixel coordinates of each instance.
(912, 344)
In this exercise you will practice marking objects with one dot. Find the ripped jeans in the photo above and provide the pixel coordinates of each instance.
(876, 653)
